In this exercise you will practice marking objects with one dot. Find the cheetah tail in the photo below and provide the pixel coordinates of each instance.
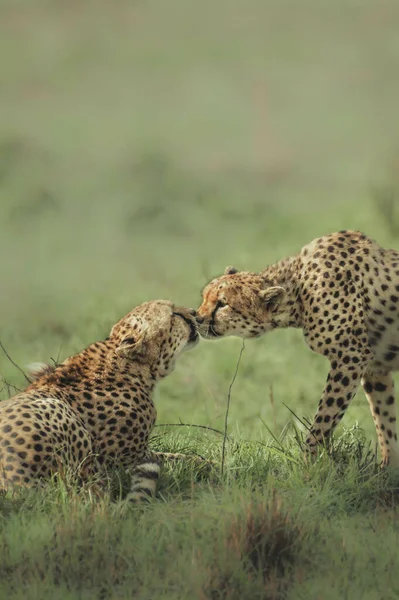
(144, 481)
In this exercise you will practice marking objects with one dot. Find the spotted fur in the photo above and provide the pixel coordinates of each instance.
(342, 290)
(95, 410)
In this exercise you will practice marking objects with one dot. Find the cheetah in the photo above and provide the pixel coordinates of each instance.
(95, 410)
(342, 290)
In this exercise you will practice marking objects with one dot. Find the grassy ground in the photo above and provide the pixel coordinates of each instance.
(143, 147)
(270, 527)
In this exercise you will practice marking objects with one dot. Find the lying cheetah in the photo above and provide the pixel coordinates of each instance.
(96, 408)
(343, 291)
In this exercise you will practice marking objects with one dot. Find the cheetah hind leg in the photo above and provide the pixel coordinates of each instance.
(379, 390)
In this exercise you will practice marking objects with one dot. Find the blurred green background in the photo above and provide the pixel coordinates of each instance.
(146, 144)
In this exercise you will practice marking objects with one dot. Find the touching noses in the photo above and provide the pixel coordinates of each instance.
(199, 319)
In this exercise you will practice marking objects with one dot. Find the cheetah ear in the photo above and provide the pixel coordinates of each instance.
(230, 271)
(130, 347)
(272, 296)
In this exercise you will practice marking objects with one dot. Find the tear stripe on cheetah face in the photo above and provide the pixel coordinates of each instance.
(342, 290)
(97, 403)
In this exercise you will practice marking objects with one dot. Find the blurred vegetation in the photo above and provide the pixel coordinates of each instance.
(140, 153)
(144, 146)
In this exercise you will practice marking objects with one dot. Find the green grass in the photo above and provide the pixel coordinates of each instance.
(144, 146)
(272, 526)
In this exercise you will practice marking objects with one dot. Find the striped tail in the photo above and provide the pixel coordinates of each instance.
(144, 481)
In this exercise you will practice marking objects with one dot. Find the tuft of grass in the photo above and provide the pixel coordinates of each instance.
(261, 550)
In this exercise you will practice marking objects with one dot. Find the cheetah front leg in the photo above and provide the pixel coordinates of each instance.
(342, 383)
(380, 395)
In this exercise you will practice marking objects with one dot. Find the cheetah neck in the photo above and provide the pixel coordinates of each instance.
(285, 274)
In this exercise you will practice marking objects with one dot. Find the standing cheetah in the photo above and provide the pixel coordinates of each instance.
(342, 290)
(96, 408)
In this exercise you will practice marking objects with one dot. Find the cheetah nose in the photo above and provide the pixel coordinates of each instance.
(199, 320)
(192, 312)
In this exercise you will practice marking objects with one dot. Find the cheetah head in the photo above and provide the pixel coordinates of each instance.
(242, 304)
(155, 333)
